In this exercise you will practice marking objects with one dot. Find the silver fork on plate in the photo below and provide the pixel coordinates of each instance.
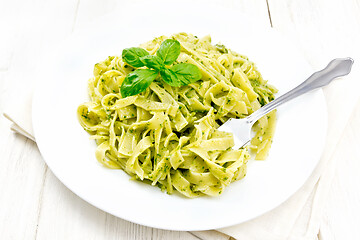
(241, 128)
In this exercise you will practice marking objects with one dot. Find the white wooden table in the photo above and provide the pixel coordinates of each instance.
(35, 205)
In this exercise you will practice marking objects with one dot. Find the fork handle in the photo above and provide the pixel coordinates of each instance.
(336, 68)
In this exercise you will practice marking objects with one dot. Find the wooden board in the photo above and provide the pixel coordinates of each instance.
(35, 205)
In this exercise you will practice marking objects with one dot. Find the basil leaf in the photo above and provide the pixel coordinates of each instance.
(170, 77)
(132, 56)
(169, 51)
(152, 62)
(137, 81)
(186, 73)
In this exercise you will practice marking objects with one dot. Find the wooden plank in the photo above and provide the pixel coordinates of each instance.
(342, 211)
(325, 30)
(7, 40)
(22, 171)
(21, 180)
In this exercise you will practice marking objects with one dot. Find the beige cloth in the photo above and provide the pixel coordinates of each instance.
(297, 218)
(20, 116)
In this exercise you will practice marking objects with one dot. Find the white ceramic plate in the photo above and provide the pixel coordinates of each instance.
(69, 153)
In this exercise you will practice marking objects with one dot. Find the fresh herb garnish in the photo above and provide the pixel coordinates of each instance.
(169, 51)
(177, 75)
(137, 81)
(132, 56)
(151, 61)
(186, 73)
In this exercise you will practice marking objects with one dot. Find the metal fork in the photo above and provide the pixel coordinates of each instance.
(241, 128)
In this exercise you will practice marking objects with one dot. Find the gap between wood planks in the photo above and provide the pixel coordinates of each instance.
(76, 14)
(267, 5)
(40, 198)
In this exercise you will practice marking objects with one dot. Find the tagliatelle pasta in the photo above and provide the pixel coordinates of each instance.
(167, 136)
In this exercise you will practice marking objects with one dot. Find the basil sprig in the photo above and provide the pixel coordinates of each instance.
(177, 75)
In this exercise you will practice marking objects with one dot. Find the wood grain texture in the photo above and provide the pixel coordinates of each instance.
(341, 217)
(325, 30)
(22, 172)
(21, 182)
(34, 204)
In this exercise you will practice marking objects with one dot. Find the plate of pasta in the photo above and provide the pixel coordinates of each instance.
(127, 118)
